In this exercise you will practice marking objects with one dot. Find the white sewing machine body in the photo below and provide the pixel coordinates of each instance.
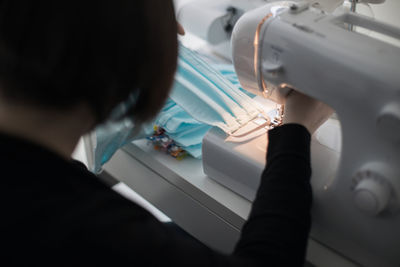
(356, 184)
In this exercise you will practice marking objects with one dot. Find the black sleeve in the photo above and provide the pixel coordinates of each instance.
(279, 223)
(274, 235)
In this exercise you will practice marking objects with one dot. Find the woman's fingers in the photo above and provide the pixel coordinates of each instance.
(304, 110)
(181, 30)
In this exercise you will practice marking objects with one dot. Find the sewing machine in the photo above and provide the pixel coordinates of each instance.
(213, 21)
(355, 160)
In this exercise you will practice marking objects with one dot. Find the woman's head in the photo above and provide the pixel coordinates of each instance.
(59, 54)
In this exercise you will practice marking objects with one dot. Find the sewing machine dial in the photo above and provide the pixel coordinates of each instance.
(372, 192)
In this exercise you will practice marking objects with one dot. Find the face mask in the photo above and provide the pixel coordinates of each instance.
(228, 71)
(109, 138)
(191, 136)
(112, 135)
(181, 127)
(175, 120)
(209, 97)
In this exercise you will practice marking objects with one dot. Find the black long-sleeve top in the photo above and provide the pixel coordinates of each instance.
(56, 213)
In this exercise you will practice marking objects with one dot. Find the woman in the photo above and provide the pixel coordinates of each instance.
(64, 65)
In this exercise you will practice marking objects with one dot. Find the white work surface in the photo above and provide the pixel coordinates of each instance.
(202, 207)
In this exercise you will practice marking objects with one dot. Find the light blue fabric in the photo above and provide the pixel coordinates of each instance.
(176, 120)
(202, 97)
(181, 127)
(228, 71)
(208, 96)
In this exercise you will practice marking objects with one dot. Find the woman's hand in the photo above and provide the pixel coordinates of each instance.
(181, 30)
(304, 110)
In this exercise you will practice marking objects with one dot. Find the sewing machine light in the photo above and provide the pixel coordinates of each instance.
(246, 54)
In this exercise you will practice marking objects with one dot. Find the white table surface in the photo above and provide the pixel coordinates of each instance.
(205, 209)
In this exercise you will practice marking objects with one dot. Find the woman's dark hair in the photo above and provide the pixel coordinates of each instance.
(60, 53)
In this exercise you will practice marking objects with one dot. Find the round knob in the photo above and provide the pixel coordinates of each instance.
(372, 193)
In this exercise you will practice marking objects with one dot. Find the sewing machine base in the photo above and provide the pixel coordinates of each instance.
(238, 166)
